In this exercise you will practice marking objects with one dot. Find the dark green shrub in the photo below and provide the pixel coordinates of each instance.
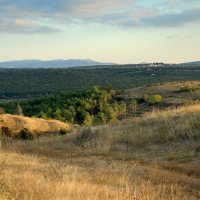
(187, 89)
(25, 134)
(144, 98)
(63, 132)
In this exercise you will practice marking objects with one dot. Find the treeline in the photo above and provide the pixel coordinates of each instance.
(85, 107)
(29, 83)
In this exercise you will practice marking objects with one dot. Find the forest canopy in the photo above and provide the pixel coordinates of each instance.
(30, 83)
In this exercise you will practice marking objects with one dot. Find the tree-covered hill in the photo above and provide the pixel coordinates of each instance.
(27, 83)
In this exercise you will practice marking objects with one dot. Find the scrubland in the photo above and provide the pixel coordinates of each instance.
(154, 156)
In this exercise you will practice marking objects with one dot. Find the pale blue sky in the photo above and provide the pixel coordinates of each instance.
(128, 31)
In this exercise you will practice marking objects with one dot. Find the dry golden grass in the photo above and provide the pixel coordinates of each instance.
(165, 128)
(30, 177)
(35, 125)
(152, 157)
(168, 92)
(165, 89)
(189, 110)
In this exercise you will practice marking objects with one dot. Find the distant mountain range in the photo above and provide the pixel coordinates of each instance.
(50, 63)
(193, 63)
(60, 63)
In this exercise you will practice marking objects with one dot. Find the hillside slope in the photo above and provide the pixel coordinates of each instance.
(174, 94)
(154, 156)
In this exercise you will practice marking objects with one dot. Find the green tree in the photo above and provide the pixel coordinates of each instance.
(88, 121)
(42, 115)
(68, 115)
(122, 108)
(102, 117)
(133, 105)
(58, 114)
(19, 110)
(116, 107)
(109, 112)
(155, 99)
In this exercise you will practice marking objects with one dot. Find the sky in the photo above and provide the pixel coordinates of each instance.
(118, 31)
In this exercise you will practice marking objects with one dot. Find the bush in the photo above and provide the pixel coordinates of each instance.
(85, 136)
(25, 134)
(144, 98)
(5, 131)
(133, 105)
(187, 89)
(63, 132)
(154, 99)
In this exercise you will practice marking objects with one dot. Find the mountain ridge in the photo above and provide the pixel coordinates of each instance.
(192, 63)
(57, 63)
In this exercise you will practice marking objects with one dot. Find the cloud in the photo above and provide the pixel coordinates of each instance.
(59, 11)
(172, 20)
(23, 26)
(152, 18)
(64, 6)
(45, 16)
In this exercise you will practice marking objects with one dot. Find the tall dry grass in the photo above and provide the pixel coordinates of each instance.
(77, 166)
(155, 128)
(30, 177)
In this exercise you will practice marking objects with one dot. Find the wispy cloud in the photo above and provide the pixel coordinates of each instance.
(23, 26)
(173, 19)
(29, 16)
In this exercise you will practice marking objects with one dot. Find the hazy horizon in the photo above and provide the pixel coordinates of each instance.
(100, 61)
(113, 31)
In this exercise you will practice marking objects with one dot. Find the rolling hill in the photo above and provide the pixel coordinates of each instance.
(155, 156)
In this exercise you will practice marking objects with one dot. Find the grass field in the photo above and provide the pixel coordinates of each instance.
(169, 91)
(154, 156)
(171, 97)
